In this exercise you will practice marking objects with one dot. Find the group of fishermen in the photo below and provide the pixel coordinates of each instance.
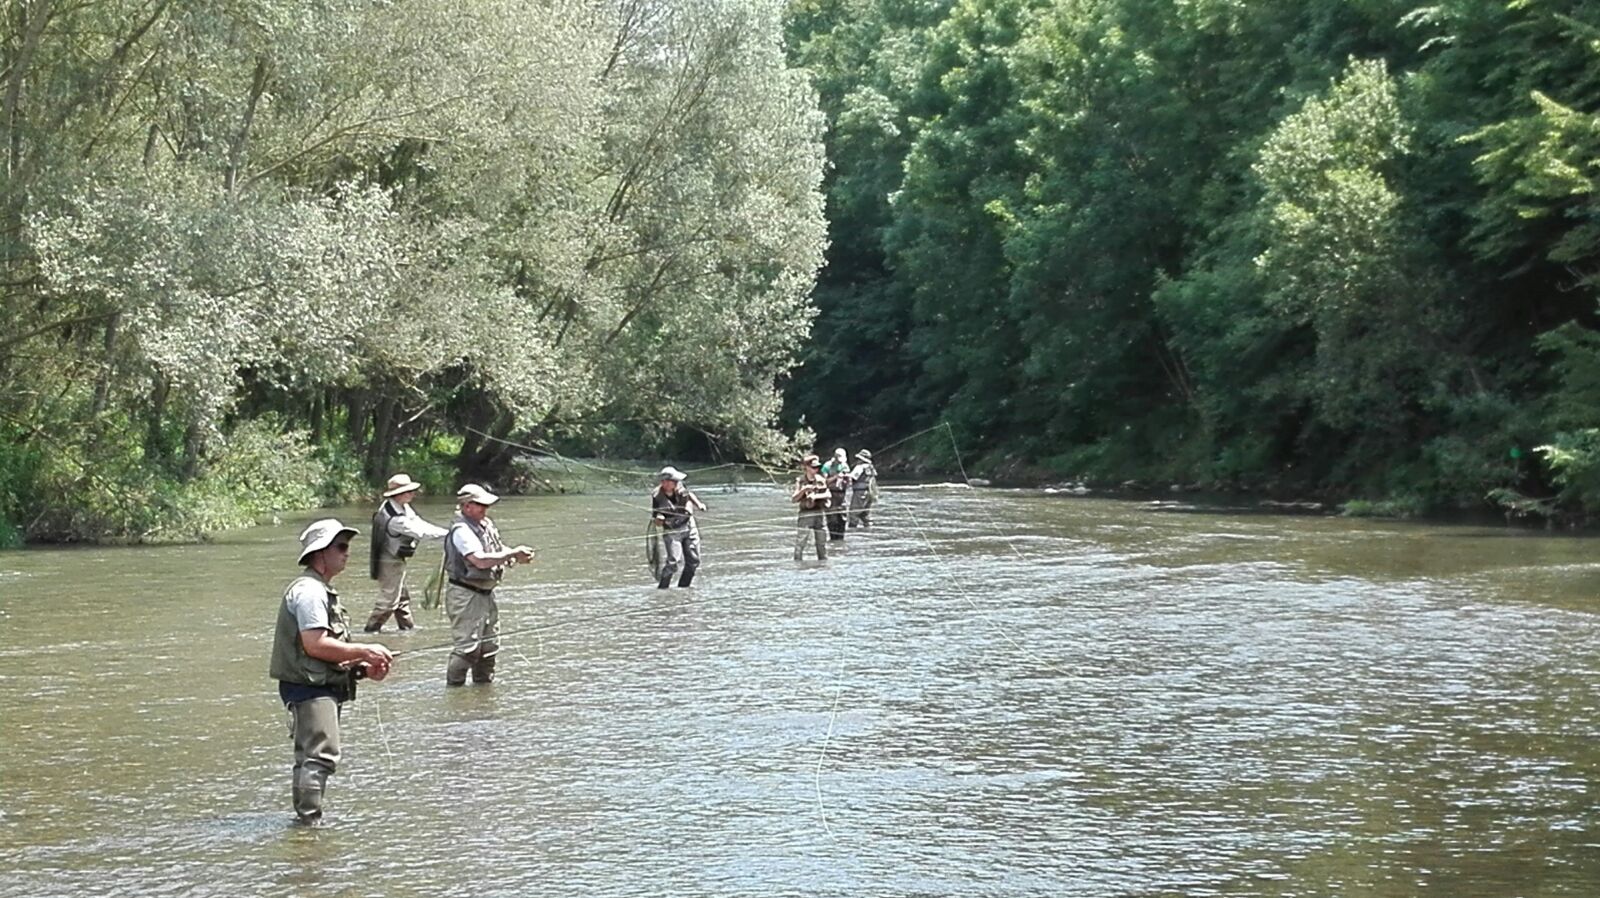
(834, 497)
(317, 664)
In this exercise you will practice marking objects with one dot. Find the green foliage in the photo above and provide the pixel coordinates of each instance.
(1574, 458)
(20, 467)
(254, 469)
(1290, 246)
(431, 462)
(1407, 506)
(376, 224)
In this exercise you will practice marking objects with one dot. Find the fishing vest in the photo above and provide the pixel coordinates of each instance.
(674, 508)
(290, 663)
(455, 563)
(816, 492)
(386, 543)
(868, 478)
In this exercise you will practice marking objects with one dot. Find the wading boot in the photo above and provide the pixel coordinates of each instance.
(665, 581)
(687, 578)
(376, 621)
(455, 673)
(483, 670)
(310, 784)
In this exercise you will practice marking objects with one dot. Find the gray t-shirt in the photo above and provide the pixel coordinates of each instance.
(308, 602)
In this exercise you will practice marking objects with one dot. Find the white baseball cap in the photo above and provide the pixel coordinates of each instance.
(671, 473)
(471, 492)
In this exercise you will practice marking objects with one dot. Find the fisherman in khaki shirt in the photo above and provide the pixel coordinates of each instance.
(396, 530)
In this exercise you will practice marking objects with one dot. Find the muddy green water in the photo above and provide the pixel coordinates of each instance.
(992, 693)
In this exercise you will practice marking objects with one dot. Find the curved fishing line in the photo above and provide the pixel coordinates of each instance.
(758, 523)
(902, 440)
(562, 622)
(816, 775)
(951, 433)
(921, 532)
(377, 708)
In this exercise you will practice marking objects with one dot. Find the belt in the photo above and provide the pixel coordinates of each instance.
(465, 585)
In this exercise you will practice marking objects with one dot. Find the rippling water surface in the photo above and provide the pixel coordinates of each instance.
(990, 693)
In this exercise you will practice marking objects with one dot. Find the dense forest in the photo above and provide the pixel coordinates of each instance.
(1348, 248)
(256, 254)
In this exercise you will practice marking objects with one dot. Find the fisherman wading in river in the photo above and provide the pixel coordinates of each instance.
(314, 663)
(474, 561)
(837, 475)
(672, 508)
(811, 494)
(863, 490)
(396, 530)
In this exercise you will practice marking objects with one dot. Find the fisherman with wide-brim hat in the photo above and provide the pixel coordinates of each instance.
(475, 559)
(863, 490)
(397, 530)
(672, 508)
(315, 663)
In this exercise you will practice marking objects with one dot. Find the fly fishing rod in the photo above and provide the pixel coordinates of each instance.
(562, 622)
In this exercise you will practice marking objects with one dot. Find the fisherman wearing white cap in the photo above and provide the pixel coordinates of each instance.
(863, 490)
(672, 508)
(316, 665)
(837, 474)
(396, 530)
(474, 561)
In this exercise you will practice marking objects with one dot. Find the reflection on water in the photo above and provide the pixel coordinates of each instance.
(992, 693)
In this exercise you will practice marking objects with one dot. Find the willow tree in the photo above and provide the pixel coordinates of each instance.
(248, 222)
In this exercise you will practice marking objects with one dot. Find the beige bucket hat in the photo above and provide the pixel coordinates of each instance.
(319, 535)
(400, 483)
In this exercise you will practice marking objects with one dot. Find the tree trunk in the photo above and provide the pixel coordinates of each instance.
(102, 386)
(156, 416)
(382, 443)
(357, 402)
(318, 403)
(194, 445)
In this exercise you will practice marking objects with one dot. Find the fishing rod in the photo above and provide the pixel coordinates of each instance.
(557, 624)
(757, 523)
(570, 620)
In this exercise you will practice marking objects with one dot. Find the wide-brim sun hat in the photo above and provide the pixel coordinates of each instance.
(399, 484)
(319, 535)
(472, 492)
(864, 455)
(671, 473)
(810, 459)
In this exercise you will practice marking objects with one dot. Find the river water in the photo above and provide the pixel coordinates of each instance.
(990, 693)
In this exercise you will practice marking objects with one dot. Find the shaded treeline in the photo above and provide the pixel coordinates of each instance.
(256, 254)
(1344, 247)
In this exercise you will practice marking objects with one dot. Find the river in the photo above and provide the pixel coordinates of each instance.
(990, 693)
